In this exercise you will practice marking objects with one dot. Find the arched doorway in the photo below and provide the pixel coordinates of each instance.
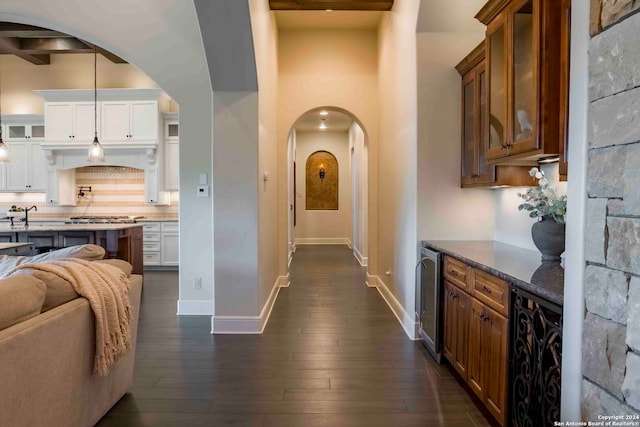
(343, 220)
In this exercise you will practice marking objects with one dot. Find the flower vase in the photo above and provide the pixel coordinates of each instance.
(548, 236)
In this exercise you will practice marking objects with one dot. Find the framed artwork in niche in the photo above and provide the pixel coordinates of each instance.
(321, 182)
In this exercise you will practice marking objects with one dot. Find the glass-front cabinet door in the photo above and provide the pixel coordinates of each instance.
(524, 117)
(469, 127)
(485, 173)
(497, 67)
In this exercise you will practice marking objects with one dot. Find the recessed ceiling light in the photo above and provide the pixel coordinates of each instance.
(324, 113)
(328, 10)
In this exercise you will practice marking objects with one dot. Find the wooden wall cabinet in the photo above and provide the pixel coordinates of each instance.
(523, 82)
(476, 331)
(475, 171)
(565, 53)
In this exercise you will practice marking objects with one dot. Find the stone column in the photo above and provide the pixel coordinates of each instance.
(611, 340)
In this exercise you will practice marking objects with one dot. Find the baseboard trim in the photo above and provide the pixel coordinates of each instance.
(195, 308)
(371, 281)
(324, 241)
(283, 281)
(406, 320)
(249, 324)
(363, 260)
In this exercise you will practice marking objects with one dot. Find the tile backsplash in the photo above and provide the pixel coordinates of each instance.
(115, 191)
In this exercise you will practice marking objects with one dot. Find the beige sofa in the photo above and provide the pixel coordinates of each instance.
(46, 362)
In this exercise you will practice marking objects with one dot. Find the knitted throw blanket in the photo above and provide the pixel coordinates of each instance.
(107, 290)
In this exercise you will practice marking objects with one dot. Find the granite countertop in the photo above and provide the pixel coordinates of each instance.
(4, 246)
(157, 220)
(521, 267)
(6, 228)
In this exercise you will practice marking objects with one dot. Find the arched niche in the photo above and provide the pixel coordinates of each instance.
(321, 181)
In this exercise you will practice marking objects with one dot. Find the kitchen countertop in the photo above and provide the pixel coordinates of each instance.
(4, 246)
(521, 267)
(6, 228)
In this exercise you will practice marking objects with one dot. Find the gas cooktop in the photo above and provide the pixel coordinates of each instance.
(102, 219)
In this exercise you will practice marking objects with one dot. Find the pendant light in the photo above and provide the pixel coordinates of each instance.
(4, 152)
(96, 152)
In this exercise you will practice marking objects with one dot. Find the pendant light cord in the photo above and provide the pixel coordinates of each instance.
(95, 91)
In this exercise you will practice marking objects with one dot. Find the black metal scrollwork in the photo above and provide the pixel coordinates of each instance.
(536, 359)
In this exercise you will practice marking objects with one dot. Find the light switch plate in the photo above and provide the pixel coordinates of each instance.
(203, 191)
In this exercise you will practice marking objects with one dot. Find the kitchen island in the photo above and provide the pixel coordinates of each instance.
(123, 241)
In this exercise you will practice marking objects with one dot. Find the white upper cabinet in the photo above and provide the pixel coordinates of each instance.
(27, 168)
(70, 121)
(130, 121)
(172, 152)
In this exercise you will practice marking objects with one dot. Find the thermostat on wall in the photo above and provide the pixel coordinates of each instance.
(203, 191)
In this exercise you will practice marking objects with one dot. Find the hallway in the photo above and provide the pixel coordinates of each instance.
(332, 354)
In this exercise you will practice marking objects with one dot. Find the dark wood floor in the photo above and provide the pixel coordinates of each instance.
(332, 354)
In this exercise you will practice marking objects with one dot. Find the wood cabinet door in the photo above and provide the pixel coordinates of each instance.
(485, 174)
(565, 54)
(476, 370)
(495, 337)
(469, 128)
(449, 322)
(523, 27)
(461, 304)
(497, 88)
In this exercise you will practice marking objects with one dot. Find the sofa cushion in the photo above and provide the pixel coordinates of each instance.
(58, 290)
(120, 264)
(88, 252)
(21, 298)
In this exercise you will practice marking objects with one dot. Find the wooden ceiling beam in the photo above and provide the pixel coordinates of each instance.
(54, 45)
(11, 29)
(11, 45)
(362, 5)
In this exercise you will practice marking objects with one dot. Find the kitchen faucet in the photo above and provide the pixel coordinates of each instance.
(26, 215)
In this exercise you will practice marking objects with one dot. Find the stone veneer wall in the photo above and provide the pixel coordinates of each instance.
(611, 335)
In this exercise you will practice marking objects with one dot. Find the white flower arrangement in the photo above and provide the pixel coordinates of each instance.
(543, 200)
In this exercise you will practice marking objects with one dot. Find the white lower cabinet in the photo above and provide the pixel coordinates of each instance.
(161, 242)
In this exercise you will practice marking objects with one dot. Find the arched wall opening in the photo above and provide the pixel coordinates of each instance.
(337, 133)
(143, 43)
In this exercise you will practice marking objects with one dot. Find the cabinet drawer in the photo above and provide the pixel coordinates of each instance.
(151, 247)
(172, 227)
(490, 290)
(151, 226)
(151, 237)
(152, 258)
(456, 272)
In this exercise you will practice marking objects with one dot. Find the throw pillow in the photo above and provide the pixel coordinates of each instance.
(58, 290)
(88, 252)
(120, 264)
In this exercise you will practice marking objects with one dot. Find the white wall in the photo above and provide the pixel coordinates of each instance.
(398, 174)
(324, 226)
(265, 39)
(359, 171)
(334, 69)
(20, 78)
(291, 157)
(513, 226)
(446, 211)
(141, 37)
